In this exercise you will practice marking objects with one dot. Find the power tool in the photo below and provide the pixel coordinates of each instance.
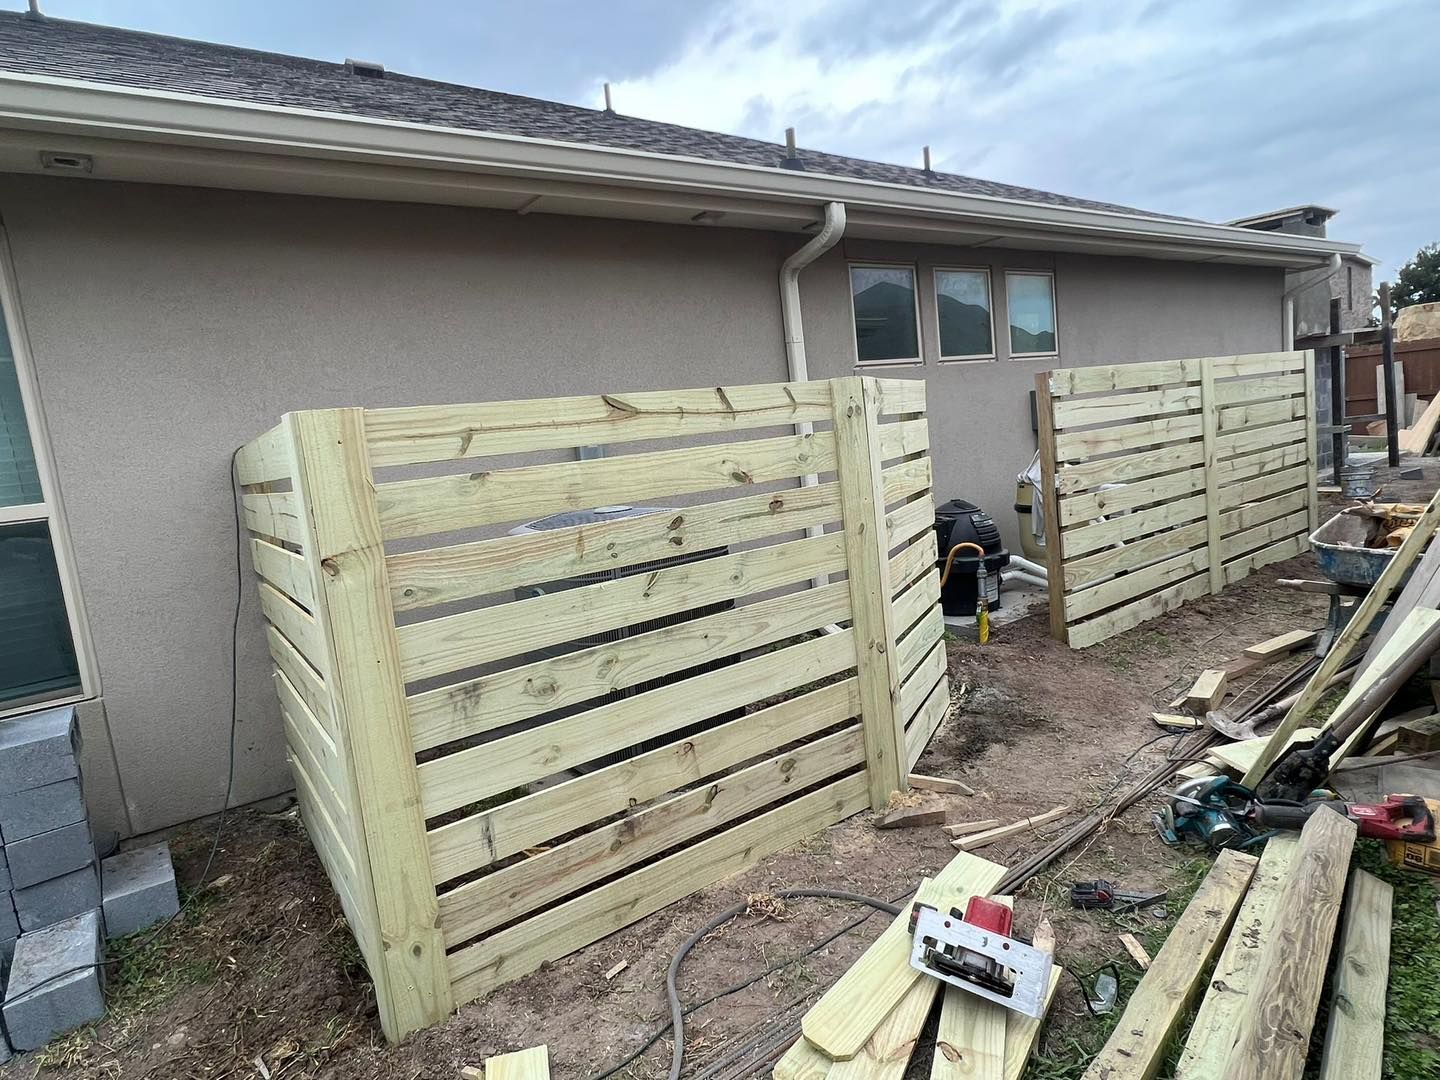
(975, 951)
(1101, 894)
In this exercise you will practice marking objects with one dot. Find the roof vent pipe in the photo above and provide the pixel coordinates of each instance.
(831, 230)
(927, 160)
(366, 69)
(791, 160)
(609, 105)
(35, 12)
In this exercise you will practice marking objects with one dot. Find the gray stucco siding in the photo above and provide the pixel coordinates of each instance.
(170, 325)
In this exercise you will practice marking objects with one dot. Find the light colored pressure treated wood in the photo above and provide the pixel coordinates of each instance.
(842, 1021)
(970, 1040)
(1272, 1038)
(1023, 1032)
(887, 1053)
(283, 569)
(1281, 644)
(273, 514)
(1208, 690)
(266, 459)
(858, 456)
(1355, 1039)
(802, 1062)
(1015, 828)
(1077, 476)
(1137, 1045)
(925, 722)
(944, 784)
(1056, 543)
(531, 1064)
(1210, 427)
(1213, 1031)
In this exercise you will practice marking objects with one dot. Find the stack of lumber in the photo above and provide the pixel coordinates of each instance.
(1268, 925)
(867, 1024)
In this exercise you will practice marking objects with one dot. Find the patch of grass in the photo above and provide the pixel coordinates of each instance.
(1124, 651)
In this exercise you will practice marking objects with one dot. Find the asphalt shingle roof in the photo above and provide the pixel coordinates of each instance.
(104, 54)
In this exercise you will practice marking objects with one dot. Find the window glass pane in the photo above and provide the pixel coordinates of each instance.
(19, 479)
(963, 300)
(1031, 300)
(37, 655)
(885, 312)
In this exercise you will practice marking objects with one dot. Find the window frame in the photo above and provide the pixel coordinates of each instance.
(872, 264)
(980, 358)
(1054, 315)
(50, 510)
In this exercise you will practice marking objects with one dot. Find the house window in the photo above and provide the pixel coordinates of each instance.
(39, 661)
(887, 323)
(1030, 300)
(962, 307)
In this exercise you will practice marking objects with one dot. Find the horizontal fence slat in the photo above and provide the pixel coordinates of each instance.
(916, 686)
(316, 732)
(1260, 438)
(1089, 505)
(481, 905)
(274, 514)
(1234, 495)
(456, 642)
(1136, 583)
(1111, 440)
(477, 773)
(917, 641)
(1296, 524)
(917, 599)
(1257, 364)
(405, 436)
(297, 624)
(1257, 513)
(283, 569)
(922, 726)
(506, 697)
(901, 396)
(1239, 391)
(1131, 467)
(1085, 634)
(1090, 380)
(507, 829)
(1267, 462)
(307, 682)
(1247, 564)
(521, 949)
(319, 763)
(1075, 412)
(323, 828)
(911, 561)
(264, 460)
(1084, 539)
(1106, 563)
(1257, 414)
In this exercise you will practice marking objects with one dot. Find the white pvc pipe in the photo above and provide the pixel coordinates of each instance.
(1020, 575)
(1024, 565)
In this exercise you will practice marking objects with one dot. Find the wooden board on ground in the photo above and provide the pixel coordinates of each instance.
(965, 828)
(1272, 1037)
(1137, 1045)
(1023, 1032)
(842, 1021)
(531, 1064)
(1418, 736)
(1417, 623)
(1213, 1031)
(1241, 755)
(1176, 720)
(1281, 644)
(1015, 828)
(942, 784)
(1136, 950)
(970, 1039)
(887, 1052)
(1208, 691)
(908, 817)
(1355, 1039)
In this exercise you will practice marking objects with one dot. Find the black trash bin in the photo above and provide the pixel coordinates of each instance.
(959, 522)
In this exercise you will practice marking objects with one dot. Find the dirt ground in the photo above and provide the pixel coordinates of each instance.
(260, 978)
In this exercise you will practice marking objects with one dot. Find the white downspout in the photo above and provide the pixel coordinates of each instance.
(831, 230)
(1288, 297)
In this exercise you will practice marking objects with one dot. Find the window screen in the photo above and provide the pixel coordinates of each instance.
(885, 325)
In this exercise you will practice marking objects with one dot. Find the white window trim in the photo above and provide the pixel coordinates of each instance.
(904, 361)
(992, 355)
(51, 510)
(1054, 314)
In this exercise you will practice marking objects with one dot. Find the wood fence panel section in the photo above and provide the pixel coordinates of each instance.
(1169, 480)
(510, 741)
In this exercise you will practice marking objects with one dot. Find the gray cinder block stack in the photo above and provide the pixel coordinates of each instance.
(57, 981)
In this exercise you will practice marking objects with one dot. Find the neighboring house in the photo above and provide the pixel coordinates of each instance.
(201, 238)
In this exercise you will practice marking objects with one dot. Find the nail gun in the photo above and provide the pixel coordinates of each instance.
(975, 951)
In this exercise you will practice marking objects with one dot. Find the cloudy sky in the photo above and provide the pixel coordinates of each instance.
(1213, 109)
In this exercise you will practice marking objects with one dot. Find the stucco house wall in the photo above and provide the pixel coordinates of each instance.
(169, 325)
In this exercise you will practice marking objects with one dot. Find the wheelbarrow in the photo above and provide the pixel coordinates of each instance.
(1340, 546)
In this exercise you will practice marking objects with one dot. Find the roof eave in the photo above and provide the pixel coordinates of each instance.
(81, 109)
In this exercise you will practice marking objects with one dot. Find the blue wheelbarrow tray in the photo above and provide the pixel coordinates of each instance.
(1339, 549)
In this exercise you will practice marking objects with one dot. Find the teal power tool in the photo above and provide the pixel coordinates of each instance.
(1213, 810)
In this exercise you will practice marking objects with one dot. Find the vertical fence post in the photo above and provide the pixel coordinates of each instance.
(1209, 431)
(334, 483)
(1049, 507)
(856, 404)
(1312, 439)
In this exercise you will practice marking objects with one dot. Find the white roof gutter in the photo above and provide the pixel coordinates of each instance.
(81, 108)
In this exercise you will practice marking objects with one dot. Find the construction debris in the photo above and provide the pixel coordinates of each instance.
(989, 836)
(1208, 691)
(964, 828)
(908, 817)
(942, 784)
(1136, 950)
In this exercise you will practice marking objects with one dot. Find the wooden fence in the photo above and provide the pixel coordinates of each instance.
(507, 746)
(1165, 481)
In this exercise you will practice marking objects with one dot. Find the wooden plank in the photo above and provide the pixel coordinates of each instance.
(1057, 548)
(1258, 513)
(1088, 443)
(505, 697)
(265, 459)
(910, 817)
(802, 1062)
(858, 456)
(1416, 624)
(1272, 1038)
(1421, 590)
(1418, 736)
(970, 1040)
(1113, 408)
(1258, 364)
(1208, 690)
(1237, 569)
(460, 571)
(307, 682)
(1015, 828)
(917, 641)
(1258, 414)
(911, 561)
(922, 680)
(274, 514)
(470, 638)
(1091, 380)
(333, 480)
(1175, 720)
(1077, 476)
(295, 623)
(1415, 438)
(1281, 644)
(477, 773)
(888, 1051)
(531, 1064)
(1085, 634)
(917, 601)
(1213, 1031)
(1089, 505)
(841, 1022)
(1136, 950)
(1023, 1032)
(945, 785)
(1210, 420)
(964, 828)
(1239, 756)
(318, 761)
(1136, 583)
(520, 949)
(1084, 539)
(1239, 391)
(404, 436)
(509, 828)
(283, 569)
(1264, 438)
(1137, 1045)
(1356, 628)
(1262, 465)
(927, 719)
(901, 397)
(1104, 564)
(477, 906)
(1355, 1039)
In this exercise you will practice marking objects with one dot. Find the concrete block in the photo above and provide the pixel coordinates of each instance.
(9, 924)
(7, 953)
(139, 889)
(5, 883)
(25, 813)
(50, 854)
(59, 898)
(56, 981)
(38, 749)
